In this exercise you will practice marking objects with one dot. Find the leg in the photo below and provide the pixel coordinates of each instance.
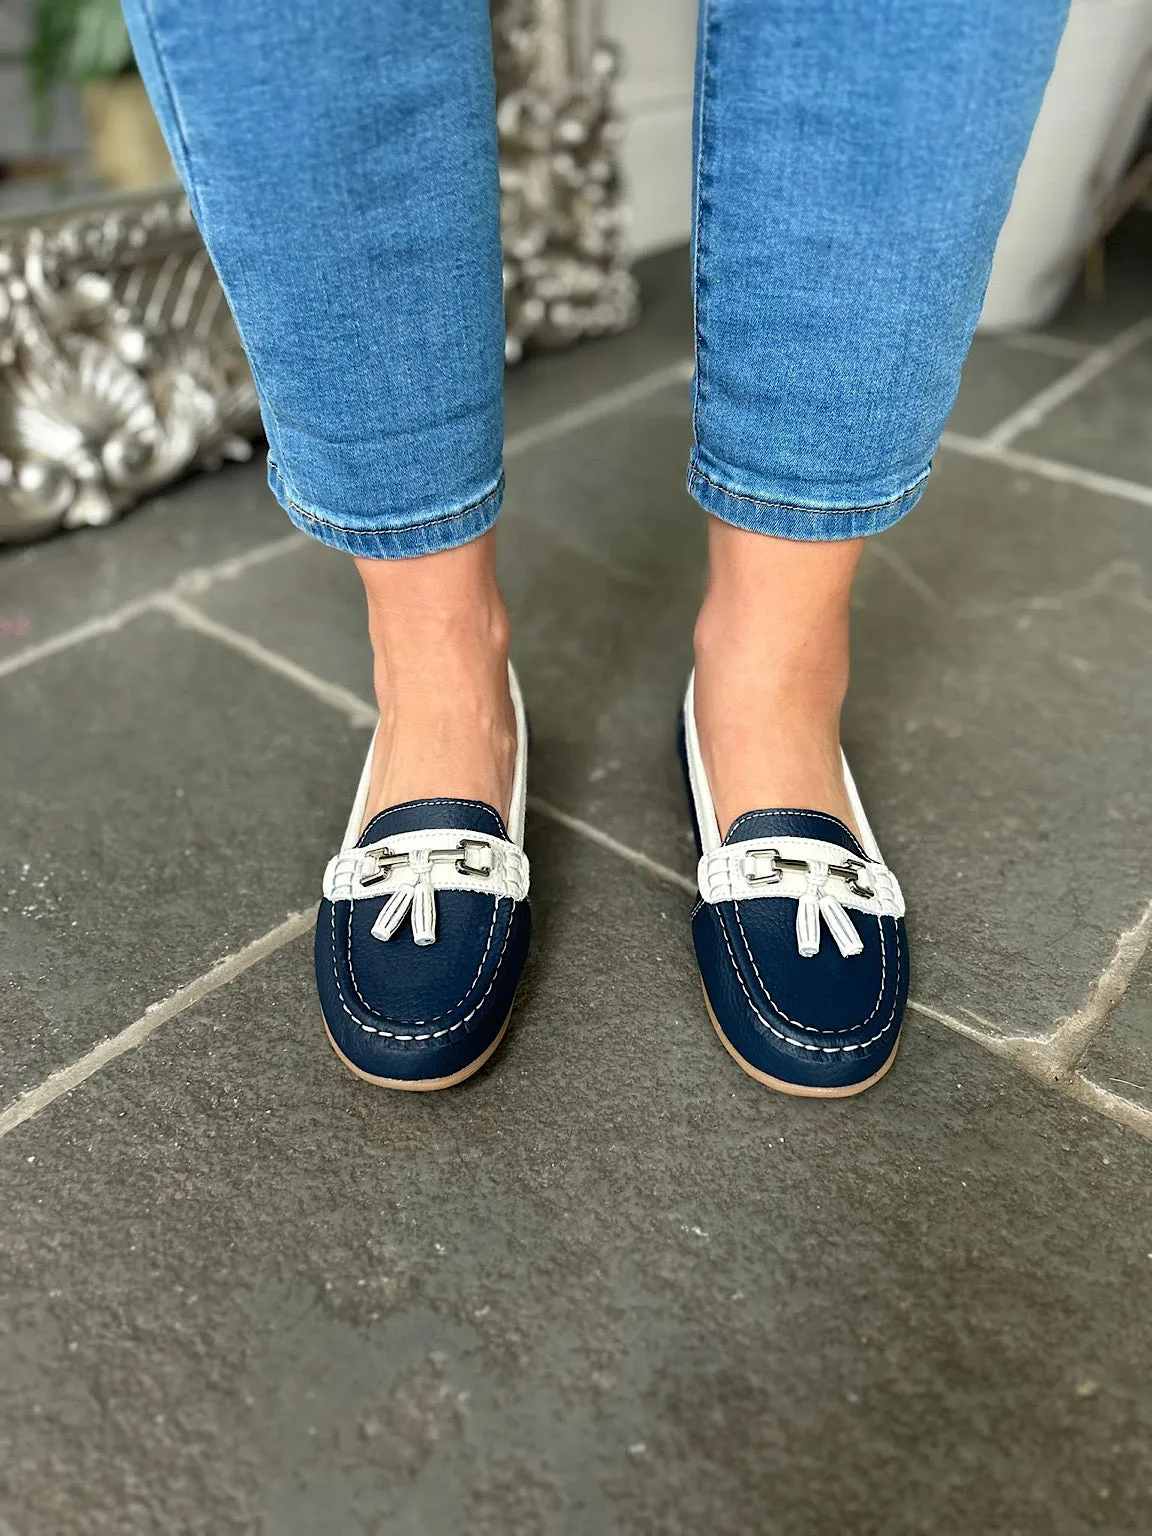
(341, 162)
(772, 670)
(853, 166)
(855, 159)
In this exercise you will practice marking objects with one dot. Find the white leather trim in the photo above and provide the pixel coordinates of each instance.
(344, 877)
(706, 812)
(519, 786)
(723, 875)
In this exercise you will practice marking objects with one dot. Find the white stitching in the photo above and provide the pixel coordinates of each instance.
(820, 815)
(391, 1018)
(476, 805)
(811, 1028)
(436, 1034)
(827, 1050)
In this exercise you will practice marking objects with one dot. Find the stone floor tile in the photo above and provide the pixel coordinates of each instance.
(163, 803)
(547, 383)
(999, 714)
(52, 586)
(609, 1285)
(1104, 427)
(997, 380)
(1120, 1059)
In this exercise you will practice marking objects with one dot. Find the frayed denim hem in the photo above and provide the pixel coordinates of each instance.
(787, 520)
(427, 537)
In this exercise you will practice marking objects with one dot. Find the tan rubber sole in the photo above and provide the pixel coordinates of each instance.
(430, 1085)
(796, 1090)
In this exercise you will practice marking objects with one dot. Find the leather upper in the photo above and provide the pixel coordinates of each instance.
(399, 1009)
(819, 1020)
(799, 935)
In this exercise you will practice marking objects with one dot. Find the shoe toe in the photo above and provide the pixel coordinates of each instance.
(409, 1014)
(825, 1023)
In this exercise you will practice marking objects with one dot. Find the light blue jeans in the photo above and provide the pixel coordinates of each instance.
(854, 162)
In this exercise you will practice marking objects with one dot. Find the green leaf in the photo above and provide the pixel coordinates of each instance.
(74, 40)
(100, 45)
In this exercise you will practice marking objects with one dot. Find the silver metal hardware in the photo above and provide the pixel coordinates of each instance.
(850, 871)
(465, 848)
(471, 856)
(384, 862)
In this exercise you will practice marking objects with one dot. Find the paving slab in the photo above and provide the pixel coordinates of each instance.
(64, 581)
(163, 803)
(547, 383)
(1104, 427)
(1120, 1059)
(610, 1285)
(997, 379)
(999, 715)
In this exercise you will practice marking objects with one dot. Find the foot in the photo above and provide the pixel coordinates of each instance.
(772, 672)
(439, 634)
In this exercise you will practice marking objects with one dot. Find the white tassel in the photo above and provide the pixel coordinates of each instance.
(841, 927)
(424, 909)
(817, 903)
(393, 913)
(808, 924)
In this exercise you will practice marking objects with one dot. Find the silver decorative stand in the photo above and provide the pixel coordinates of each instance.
(120, 368)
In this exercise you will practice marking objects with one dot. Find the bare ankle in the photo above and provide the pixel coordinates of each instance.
(440, 637)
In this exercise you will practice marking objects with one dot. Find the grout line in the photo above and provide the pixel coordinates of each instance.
(224, 971)
(1115, 1106)
(92, 629)
(198, 579)
(1027, 1053)
(192, 583)
(605, 840)
(911, 578)
(1045, 401)
(594, 410)
(1053, 1059)
(1072, 1036)
(1041, 343)
(998, 1044)
(350, 705)
(1048, 469)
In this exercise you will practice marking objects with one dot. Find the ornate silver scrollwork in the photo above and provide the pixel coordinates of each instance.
(120, 367)
(561, 214)
(120, 364)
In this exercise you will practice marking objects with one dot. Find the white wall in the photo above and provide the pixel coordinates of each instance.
(654, 96)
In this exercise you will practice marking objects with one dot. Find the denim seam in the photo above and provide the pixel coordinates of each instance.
(173, 107)
(431, 522)
(697, 236)
(795, 506)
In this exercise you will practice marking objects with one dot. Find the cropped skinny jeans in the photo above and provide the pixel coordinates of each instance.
(854, 160)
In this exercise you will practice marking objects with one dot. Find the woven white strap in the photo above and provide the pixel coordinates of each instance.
(826, 881)
(410, 867)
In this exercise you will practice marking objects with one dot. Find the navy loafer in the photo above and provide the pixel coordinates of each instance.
(422, 934)
(799, 935)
